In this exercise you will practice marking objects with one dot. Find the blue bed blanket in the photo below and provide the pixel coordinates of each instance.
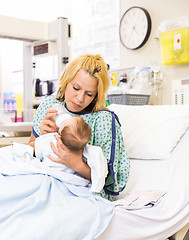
(43, 204)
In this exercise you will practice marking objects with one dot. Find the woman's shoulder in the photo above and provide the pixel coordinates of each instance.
(108, 115)
(49, 101)
(105, 108)
(102, 112)
(45, 104)
(101, 117)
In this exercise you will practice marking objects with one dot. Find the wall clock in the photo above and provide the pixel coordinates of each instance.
(135, 27)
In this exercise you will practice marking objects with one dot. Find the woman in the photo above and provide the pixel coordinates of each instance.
(82, 89)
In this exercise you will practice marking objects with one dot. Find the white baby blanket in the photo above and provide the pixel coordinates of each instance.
(93, 154)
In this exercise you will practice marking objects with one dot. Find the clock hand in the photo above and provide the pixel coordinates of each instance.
(134, 28)
(130, 36)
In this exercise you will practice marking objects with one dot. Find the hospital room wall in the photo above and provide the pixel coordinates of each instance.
(160, 10)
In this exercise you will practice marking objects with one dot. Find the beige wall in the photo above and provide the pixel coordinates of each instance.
(159, 11)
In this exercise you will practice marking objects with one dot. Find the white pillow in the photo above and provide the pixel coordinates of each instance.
(151, 132)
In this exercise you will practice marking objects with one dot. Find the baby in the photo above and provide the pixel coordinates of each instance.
(75, 134)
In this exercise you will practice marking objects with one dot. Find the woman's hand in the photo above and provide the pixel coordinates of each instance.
(70, 158)
(48, 124)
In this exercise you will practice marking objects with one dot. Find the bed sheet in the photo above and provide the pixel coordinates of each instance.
(171, 214)
(37, 202)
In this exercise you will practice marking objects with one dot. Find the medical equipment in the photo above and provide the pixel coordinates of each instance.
(156, 78)
(39, 38)
(43, 88)
(180, 91)
(174, 40)
(134, 86)
(129, 86)
(127, 99)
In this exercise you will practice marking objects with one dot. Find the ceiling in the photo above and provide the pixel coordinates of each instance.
(37, 10)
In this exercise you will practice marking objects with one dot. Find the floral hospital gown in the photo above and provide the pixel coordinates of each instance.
(106, 133)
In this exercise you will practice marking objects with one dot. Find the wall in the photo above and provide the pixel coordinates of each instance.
(160, 10)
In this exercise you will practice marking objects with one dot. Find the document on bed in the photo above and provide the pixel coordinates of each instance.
(140, 199)
(37, 203)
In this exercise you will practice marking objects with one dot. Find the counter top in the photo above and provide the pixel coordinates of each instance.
(16, 127)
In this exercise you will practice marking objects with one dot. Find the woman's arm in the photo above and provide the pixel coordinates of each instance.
(43, 118)
(47, 125)
(70, 158)
(32, 140)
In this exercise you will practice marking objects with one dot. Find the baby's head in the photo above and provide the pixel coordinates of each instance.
(75, 133)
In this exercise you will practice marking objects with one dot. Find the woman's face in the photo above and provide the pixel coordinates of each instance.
(81, 91)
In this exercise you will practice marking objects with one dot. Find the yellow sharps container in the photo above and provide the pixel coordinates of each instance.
(175, 46)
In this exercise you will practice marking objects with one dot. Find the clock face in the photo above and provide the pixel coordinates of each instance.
(135, 28)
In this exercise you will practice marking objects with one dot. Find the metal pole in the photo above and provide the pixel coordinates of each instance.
(62, 44)
(28, 83)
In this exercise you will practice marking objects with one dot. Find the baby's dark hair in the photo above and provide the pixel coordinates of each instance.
(77, 139)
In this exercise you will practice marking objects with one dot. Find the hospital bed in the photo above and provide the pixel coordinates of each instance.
(157, 142)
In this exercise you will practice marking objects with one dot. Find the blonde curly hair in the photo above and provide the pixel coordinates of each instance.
(97, 68)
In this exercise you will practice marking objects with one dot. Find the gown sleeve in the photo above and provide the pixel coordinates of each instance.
(106, 133)
(41, 112)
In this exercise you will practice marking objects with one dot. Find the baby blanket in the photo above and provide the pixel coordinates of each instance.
(92, 154)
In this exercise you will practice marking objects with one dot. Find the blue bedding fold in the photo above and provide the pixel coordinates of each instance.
(38, 203)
